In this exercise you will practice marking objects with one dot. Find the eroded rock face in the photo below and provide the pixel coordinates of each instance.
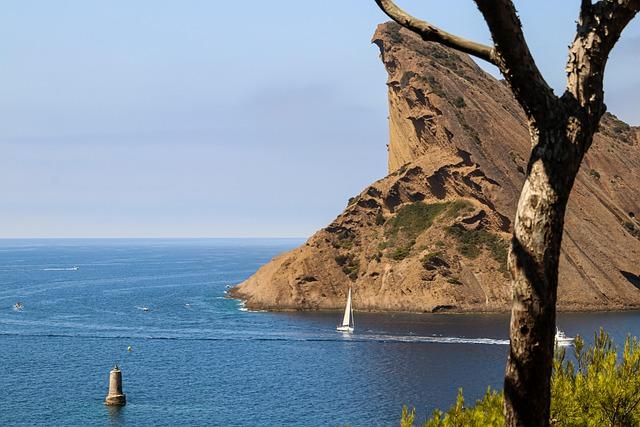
(432, 235)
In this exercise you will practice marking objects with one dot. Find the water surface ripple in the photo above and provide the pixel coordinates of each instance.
(198, 358)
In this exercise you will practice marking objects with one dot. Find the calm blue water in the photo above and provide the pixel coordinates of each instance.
(198, 359)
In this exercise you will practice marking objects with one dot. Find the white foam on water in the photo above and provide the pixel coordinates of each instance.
(241, 307)
(255, 335)
(433, 339)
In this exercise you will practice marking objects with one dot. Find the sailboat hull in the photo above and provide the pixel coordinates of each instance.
(347, 329)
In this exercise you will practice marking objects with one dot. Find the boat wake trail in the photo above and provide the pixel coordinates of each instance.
(75, 268)
(436, 339)
(351, 338)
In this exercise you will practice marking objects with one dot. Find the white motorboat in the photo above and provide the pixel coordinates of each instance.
(347, 324)
(562, 339)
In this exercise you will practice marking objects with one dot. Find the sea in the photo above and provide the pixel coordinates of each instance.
(199, 358)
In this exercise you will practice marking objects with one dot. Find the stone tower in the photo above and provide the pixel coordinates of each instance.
(115, 397)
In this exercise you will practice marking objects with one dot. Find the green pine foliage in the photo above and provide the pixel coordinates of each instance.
(596, 387)
(602, 387)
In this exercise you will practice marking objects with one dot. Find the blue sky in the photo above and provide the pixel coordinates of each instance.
(165, 118)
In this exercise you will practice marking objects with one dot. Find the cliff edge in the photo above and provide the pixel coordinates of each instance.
(433, 234)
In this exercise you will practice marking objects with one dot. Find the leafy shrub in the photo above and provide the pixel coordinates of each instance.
(471, 243)
(341, 259)
(395, 36)
(380, 218)
(487, 412)
(433, 260)
(435, 87)
(408, 223)
(413, 219)
(350, 265)
(457, 206)
(406, 78)
(599, 389)
(345, 239)
(632, 229)
(459, 102)
(431, 255)
(400, 253)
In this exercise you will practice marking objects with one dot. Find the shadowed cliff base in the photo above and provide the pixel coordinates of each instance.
(432, 235)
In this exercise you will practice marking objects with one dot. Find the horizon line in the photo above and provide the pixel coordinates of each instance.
(150, 237)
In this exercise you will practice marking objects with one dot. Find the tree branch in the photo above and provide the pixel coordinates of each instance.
(515, 60)
(599, 28)
(585, 7)
(432, 33)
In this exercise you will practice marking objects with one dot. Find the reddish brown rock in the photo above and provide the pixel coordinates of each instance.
(457, 152)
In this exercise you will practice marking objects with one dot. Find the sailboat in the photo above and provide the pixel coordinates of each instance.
(347, 320)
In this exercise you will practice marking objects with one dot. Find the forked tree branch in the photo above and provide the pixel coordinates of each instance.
(432, 33)
(599, 27)
(515, 60)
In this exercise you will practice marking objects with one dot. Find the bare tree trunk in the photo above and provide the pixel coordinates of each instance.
(533, 262)
(561, 132)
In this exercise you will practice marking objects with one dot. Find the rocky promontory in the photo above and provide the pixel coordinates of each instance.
(433, 234)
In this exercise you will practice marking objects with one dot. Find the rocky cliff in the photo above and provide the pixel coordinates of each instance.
(433, 234)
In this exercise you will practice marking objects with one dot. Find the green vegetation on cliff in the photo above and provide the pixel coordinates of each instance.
(411, 220)
(471, 243)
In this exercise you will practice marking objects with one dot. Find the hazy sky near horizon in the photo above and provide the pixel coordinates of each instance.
(160, 118)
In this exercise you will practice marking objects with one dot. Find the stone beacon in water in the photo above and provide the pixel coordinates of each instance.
(115, 397)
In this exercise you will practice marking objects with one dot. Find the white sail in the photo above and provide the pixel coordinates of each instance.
(346, 320)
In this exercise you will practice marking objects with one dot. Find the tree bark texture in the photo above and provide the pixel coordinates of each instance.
(533, 262)
(562, 130)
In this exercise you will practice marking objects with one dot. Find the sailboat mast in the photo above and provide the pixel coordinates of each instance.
(353, 322)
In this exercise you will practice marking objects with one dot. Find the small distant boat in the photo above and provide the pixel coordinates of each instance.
(562, 339)
(348, 324)
(187, 305)
(145, 308)
(18, 306)
(72, 268)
